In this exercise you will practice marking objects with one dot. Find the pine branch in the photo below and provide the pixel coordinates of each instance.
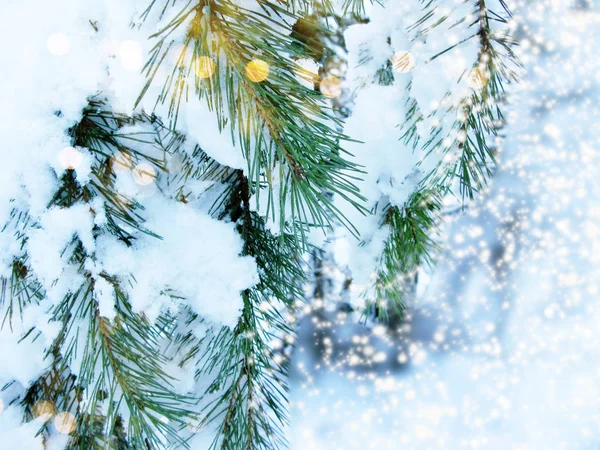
(111, 373)
(281, 125)
(481, 117)
(476, 156)
(119, 369)
(18, 291)
(409, 243)
(246, 398)
(99, 132)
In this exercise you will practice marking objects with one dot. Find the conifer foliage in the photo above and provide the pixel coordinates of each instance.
(164, 198)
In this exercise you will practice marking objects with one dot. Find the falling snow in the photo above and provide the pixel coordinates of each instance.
(499, 347)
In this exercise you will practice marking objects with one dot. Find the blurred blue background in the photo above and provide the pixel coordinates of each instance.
(499, 347)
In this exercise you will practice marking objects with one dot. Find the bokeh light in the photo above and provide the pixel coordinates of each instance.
(257, 70)
(144, 174)
(122, 161)
(65, 422)
(43, 410)
(204, 67)
(331, 86)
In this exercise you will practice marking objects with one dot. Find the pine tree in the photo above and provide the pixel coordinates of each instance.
(235, 159)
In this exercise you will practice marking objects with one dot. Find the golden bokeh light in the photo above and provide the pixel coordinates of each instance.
(70, 158)
(144, 174)
(122, 161)
(58, 44)
(478, 78)
(403, 61)
(331, 86)
(204, 67)
(257, 70)
(43, 410)
(65, 422)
